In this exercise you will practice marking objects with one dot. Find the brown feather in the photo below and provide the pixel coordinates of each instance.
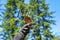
(27, 19)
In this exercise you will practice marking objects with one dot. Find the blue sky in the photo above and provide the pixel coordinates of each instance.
(54, 5)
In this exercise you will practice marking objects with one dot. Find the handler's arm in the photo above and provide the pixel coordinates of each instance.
(21, 35)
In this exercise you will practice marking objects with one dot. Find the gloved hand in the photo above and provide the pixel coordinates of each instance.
(23, 32)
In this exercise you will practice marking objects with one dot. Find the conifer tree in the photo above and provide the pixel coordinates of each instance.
(11, 22)
(37, 9)
(42, 19)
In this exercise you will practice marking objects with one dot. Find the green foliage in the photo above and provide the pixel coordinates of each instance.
(55, 38)
(38, 11)
(41, 16)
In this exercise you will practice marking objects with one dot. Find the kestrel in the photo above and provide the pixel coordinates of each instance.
(27, 18)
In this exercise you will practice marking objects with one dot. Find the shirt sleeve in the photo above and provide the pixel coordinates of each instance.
(19, 36)
(22, 33)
